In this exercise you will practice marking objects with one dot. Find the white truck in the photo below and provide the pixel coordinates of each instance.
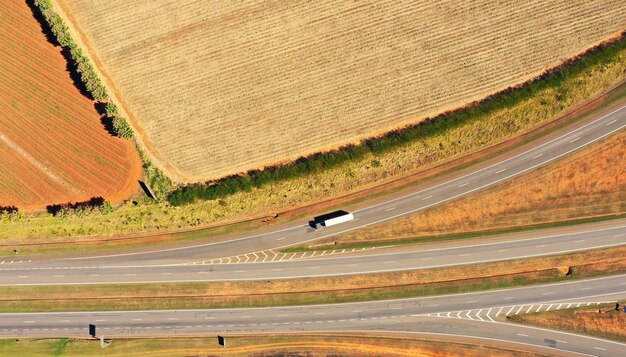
(330, 219)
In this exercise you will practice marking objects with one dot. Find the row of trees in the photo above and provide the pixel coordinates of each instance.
(120, 125)
(79, 208)
(83, 67)
(438, 125)
(81, 63)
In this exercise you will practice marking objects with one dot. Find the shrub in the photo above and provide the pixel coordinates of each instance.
(111, 109)
(8, 209)
(122, 128)
(63, 209)
(106, 208)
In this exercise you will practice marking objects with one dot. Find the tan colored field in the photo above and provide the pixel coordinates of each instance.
(588, 183)
(53, 146)
(220, 89)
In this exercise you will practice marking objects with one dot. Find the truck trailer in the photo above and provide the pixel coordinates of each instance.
(330, 219)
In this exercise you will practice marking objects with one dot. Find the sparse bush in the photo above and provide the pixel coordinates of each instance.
(106, 208)
(8, 209)
(111, 109)
(155, 178)
(63, 209)
(122, 128)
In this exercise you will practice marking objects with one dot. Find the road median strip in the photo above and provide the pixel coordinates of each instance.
(413, 283)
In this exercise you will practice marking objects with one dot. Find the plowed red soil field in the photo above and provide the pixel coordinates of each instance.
(53, 146)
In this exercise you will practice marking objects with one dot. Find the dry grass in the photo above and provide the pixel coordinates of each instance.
(244, 84)
(273, 345)
(315, 290)
(607, 324)
(588, 183)
(485, 130)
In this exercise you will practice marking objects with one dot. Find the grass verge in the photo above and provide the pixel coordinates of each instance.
(272, 345)
(602, 321)
(315, 290)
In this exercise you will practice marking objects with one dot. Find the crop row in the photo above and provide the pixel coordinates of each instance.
(597, 56)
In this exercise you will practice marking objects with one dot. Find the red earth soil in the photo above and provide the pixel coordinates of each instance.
(53, 146)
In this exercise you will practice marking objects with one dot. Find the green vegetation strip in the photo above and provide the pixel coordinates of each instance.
(267, 293)
(449, 237)
(432, 127)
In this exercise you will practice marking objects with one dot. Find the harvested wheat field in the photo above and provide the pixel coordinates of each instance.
(220, 89)
(53, 146)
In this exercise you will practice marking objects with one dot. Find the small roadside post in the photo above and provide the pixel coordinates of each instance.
(221, 340)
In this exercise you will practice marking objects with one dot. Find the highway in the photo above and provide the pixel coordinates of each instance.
(187, 262)
(478, 314)
(613, 234)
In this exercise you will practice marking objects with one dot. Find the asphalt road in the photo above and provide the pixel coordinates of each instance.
(408, 315)
(48, 274)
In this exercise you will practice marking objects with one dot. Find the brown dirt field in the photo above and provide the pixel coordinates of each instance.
(608, 324)
(242, 85)
(53, 147)
(586, 184)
